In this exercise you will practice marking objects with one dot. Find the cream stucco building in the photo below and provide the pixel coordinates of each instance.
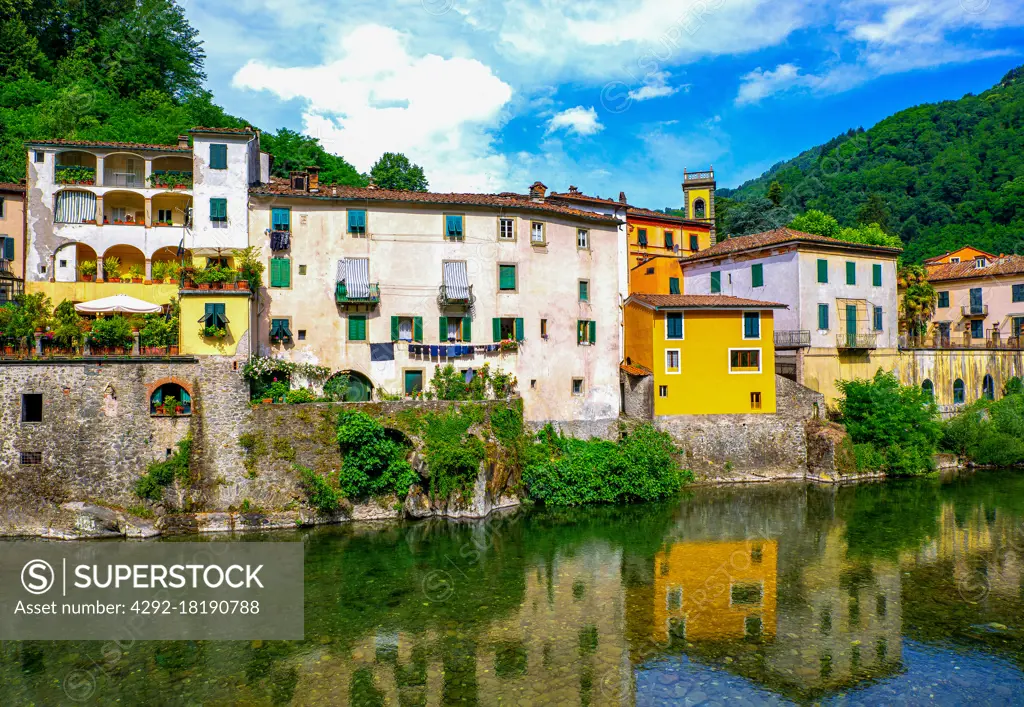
(389, 285)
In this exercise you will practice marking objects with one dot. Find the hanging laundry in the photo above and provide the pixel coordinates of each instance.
(433, 352)
(279, 240)
(382, 352)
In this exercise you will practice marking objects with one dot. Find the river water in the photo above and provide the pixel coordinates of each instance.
(906, 592)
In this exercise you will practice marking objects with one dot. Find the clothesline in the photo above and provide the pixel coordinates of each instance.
(386, 352)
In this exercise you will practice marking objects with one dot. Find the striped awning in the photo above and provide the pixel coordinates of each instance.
(355, 273)
(75, 207)
(456, 280)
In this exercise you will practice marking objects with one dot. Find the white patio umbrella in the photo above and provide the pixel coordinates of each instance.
(118, 304)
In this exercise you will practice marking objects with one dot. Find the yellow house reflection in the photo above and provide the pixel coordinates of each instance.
(705, 591)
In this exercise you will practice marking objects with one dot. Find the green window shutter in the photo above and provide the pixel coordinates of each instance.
(506, 277)
(876, 274)
(822, 270)
(716, 282)
(209, 310)
(275, 270)
(442, 326)
(668, 239)
(520, 335)
(417, 329)
(851, 273)
(357, 328)
(673, 285)
(467, 329)
(757, 275)
(823, 316)
(220, 318)
(280, 219)
(8, 249)
(357, 221)
(394, 329)
(694, 243)
(280, 272)
(751, 325)
(584, 291)
(286, 272)
(496, 325)
(218, 156)
(579, 332)
(593, 332)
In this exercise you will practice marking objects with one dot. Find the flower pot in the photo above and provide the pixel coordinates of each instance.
(218, 285)
(243, 284)
(138, 280)
(179, 410)
(180, 186)
(268, 401)
(229, 285)
(174, 351)
(204, 286)
(189, 284)
(88, 278)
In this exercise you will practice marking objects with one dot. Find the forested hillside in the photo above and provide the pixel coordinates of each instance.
(938, 176)
(124, 70)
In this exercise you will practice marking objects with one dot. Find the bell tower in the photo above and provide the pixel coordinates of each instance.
(699, 197)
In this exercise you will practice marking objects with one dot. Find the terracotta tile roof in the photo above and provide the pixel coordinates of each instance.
(958, 250)
(1006, 265)
(114, 145)
(224, 131)
(282, 187)
(779, 236)
(11, 187)
(703, 301)
(580, 196)
(633, 212)
(635, 370)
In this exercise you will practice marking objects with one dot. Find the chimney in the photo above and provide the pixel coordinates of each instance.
(538, 190)
(314, 178)
(622, 197)
(573, 190)
(334, 190)
(183, 142)
(372, 184)
(300, 181)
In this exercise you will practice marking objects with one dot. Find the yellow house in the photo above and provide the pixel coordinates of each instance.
(656, 243)
(707, 354)
(203, 311)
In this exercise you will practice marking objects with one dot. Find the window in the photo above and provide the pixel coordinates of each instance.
(302, 334)
(1017, 326)
(669, 239)
(537, 236)
(954, 260)
(753, 627)
(357, 327)
(508, 329)
(302, 270)
(716, 282)
(218, 156)
(823, 317)
(584, 290)
(407, 328)
(929, 388)
(979, 263)
(453, 227)
(506, 229)
(641, 237)
(42, 268)
(214, 315)
(747, 594)
(757, 275)
(413, 382)
(977, 328)
(943, 300)
(751, 325)
(169, 399)
(6, 248)
(959, 392)
(39, 157)
(280, 330)
(755, 401)
(674, 599)
(878, 318)
(31, 458)
(1018, 293)
(663, 391)
(582, 238)
(164, 216)
(744, 360)
(577, 386)
(851, 273)
(988, 388)
(699, 209)
(822, 270)
(2, 207)
(32, 407)
(649, 271)
(357, 222)
(586, 332)
(280, 219)
(280, 272)
(694, 243)
(876, 275)
(674, 325)
(455, 328)
(543, 328)
(673, 286)
(63, 263)
(672, 361)
(219, 210)
(507, 281)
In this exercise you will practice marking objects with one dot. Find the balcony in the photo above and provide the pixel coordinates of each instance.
(171, 179)
(857, 342)
(792, 339)
(460, 296)
(75, 174)
(370, 296)
(974, 310)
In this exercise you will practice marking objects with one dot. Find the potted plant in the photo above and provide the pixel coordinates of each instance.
(159, 271)
(137, 274)
(201, 278)
(112, 268)
(179, 409)
(213, 332)
(87, 268)
(242, 284)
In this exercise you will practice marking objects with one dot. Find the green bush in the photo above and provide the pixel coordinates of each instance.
(453, 454)
(990, 433)
(298, 396)
(111, 331)
(899, 422)
(374, 462)
(572, 472)
(276, 391)
(67, 329)
(336, 388)
(162, 474)
(321, 491)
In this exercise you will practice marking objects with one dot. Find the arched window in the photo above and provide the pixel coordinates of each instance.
(699, 209)
(988, 388)
(959, 392)
(929, 388)
(170, 399)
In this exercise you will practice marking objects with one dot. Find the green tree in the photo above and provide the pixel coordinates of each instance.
(395, 171)
(775, 193)
(816, 222)
(874, 211)
(919, 299)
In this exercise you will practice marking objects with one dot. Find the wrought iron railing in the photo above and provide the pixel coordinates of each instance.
(792, 339)
(974, 310)
(342, 295)
(856, 341)
(445, 298)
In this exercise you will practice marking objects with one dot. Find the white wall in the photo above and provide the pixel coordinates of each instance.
(231, 184)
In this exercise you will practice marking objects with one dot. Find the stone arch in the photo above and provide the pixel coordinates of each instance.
(360, 387)
(959, 392)
(988, 387)
(929, 388)
(699, 208)
(128, 255)
(124, 169)
(151, 388)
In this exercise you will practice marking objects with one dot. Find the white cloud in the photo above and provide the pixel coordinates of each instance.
(439, 111)
(657, 87)
(579, 120)
(759, 84)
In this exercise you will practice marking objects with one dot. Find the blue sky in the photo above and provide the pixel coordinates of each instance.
(609, 95)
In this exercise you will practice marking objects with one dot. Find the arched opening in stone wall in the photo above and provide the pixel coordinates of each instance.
(360, 389)
(929, 388)
(959, 392)
(988, 388)
(170, 399)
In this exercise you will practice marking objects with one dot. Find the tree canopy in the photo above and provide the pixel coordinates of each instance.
(394, 171)
(939, 176)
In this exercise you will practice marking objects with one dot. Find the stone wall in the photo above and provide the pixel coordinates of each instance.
(637, 395)
(750, 447)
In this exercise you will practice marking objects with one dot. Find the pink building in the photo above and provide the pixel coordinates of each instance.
(980, 300)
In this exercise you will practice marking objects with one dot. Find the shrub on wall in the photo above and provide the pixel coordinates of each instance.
(321, 490)
(572, 472)
(374, 462)
(990, 433)
(453, 454)
(162, 474)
